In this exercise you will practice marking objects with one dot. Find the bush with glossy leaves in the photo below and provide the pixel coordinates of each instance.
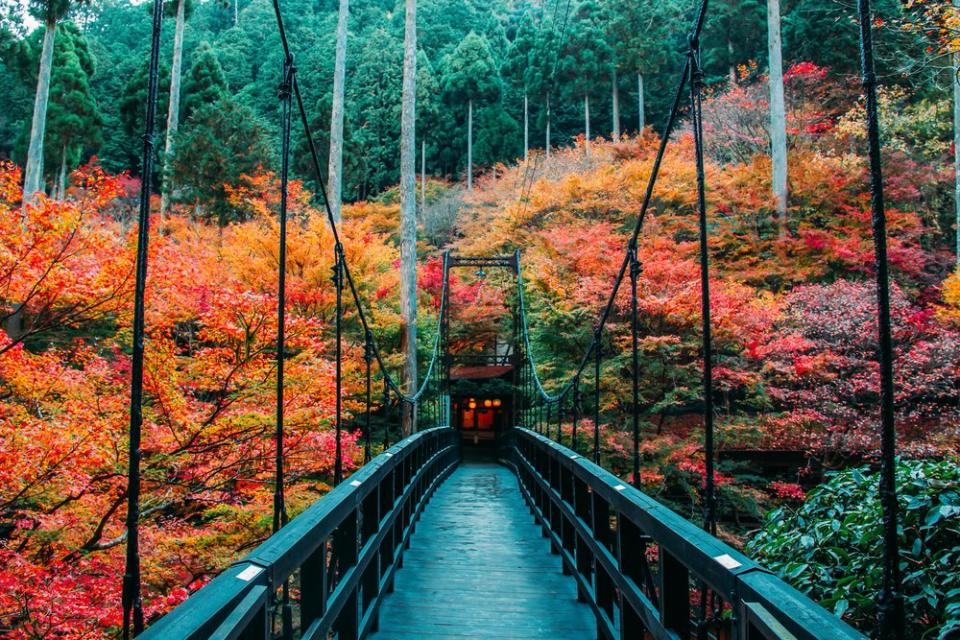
(831, 547)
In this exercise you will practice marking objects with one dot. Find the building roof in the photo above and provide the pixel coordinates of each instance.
(483, 372)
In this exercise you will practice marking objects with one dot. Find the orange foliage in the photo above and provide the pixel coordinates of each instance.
(209, 383)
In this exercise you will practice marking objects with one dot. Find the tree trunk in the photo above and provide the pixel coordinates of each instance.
(956, 137)
(335, 161)
(173, 113)
(642, 118)
(423, 174)
(33, 175)
(526, 127)
(547, 149)
(616, 107)
(586, 123)
(408, 211)
(236, 12)
(62, 182)
(470, 145)
(778, 122)
(732, 69)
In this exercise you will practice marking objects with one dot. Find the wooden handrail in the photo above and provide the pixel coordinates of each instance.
(606, 533)
(344, 549)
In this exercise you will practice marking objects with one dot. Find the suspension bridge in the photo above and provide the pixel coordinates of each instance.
(491, 521)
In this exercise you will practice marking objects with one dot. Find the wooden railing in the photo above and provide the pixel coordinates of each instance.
(340, 554)
(642, 567)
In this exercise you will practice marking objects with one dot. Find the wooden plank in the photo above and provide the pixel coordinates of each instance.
(477, 567)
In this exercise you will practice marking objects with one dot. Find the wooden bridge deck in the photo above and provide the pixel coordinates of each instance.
(479, 568)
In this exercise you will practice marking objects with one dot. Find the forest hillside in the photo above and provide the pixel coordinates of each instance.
(793, 276)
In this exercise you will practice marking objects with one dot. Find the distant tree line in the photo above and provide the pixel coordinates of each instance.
(495, 78)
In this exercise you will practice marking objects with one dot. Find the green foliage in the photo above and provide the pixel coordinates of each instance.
(471, 72)
(498, 135)
(831, 546)
(50, 11)
(637, 29)
(517, 65)
(377, 114)
(73, 117)
(131, 113)
(220, 142)
(15, 100)
(206, 82)
(585, 61)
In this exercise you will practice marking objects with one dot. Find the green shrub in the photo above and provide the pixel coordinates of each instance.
(831, 547)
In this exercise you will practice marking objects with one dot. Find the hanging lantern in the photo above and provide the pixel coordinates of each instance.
(497, 402)
(472, 404)
(487, 403)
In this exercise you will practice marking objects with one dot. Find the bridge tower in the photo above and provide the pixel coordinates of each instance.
(480, 388)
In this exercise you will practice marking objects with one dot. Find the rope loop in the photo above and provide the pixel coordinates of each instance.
(368, 347)
(337, 269)
(285, 90)
(635, 267)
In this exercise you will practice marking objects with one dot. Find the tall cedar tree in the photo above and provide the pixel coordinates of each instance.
(541, 72)
(471, 76)
(408, 211)
(637, 31)
(335, 159)
(516, 71)
(73, 119)
(206, 82)
(181, 10)
(221, 142)
(50, 12)
(586, 58)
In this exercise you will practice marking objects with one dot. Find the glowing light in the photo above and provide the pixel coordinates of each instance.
(487, 403)
(497, 402)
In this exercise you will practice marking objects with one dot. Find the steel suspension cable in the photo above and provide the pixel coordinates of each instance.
(414, 396)
(279, 504)
(696, 83)
(131, 598)
(892, 620)
(638, 225)
(279, 507)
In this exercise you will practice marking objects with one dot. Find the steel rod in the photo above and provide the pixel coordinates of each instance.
(635, 364)
(892, 620)
(598, 355)
(279, 508)
(696, 84)
(338, 285)
(131, 598)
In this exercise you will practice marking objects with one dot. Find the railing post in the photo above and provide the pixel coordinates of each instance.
(560, 419)
(547, 423)
(314, 586)
(892, 621)
(338, 286)
(346, 546)
(674, 594)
